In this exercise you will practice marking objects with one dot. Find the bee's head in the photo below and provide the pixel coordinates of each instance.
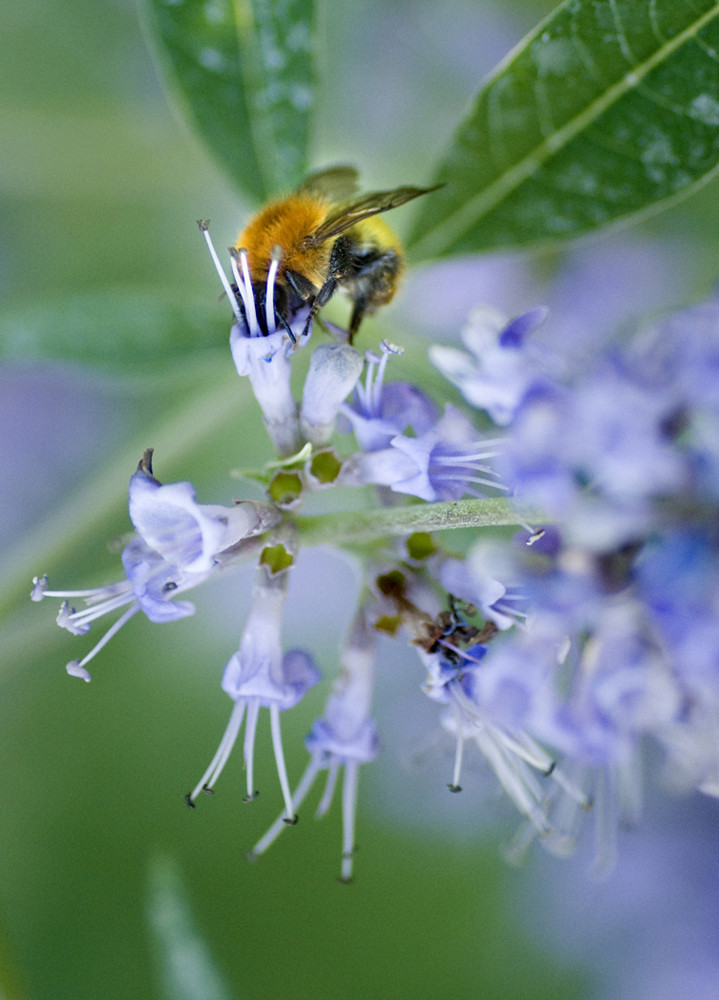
(263, 307)
(273, 308)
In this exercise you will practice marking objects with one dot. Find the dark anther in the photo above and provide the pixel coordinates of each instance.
(550, 769)
(251, 798)
(536, 535)
(188, 800)
(291, 821)
(207, 790)
(454, 788)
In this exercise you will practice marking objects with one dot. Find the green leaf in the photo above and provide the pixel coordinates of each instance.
(186, 967)
(246, 75)
(114, 330)
(609, 108)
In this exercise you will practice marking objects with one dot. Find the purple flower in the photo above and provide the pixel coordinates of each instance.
(344, 738)
(451, 460)
(500, 369)
(177, 546)
(597, 453)
(262, 344)
(617, 436)
(150, 584)
(259, 676)
(622, 689)
(171, 522)
(477, 581)
(678, 578)
(333, 374)
(380, 411)
(532, 461)
(493, 700)
(445, 463)
(266, 362)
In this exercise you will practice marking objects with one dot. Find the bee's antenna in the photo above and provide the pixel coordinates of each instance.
(204, 225)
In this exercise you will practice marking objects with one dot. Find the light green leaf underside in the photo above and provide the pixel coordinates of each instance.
(608, 108)
(115, 330)
(245, 72)
(182, 956)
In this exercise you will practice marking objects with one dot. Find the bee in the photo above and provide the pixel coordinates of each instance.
(297, 251)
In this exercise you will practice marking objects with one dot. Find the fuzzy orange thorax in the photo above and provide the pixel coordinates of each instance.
(287, 223)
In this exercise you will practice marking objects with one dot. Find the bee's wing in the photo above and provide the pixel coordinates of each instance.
(335, 184)
(350, 214)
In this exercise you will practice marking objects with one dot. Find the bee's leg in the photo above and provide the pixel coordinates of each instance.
(321, 298)
(374, 284)
(340, 267)
(303, 290)
(285, 326)
(301, 287)
(339, 263)
(358, 312)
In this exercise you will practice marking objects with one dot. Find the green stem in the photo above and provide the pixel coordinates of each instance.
(355, 526)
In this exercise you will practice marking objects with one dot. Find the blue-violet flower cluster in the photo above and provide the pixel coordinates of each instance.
(561, 653)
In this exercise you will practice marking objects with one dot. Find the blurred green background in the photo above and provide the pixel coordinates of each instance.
(105, 876)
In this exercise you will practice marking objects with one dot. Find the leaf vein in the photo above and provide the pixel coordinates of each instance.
(469, 213)
(622, 38)
(654, 21)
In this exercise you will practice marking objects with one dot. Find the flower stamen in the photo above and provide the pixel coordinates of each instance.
(270, 291)
(245, 286)
(253, 711)
(290, 819)
(208, 779)
(349, 814)
(76, 668)
(229, 291)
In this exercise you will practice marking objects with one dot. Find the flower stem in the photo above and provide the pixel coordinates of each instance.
(359, 526)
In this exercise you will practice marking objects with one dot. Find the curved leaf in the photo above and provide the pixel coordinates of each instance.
(245, 72)
(114, 330)
(608, 108)
(186, 967)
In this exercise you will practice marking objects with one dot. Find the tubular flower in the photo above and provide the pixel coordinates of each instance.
(259, 676)
(495, 705)
(262, 345)
(333, 374)
(177, 546)
(500, 368)
(380, 411)
(345, 737)
(561, 654)
(444, 463)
